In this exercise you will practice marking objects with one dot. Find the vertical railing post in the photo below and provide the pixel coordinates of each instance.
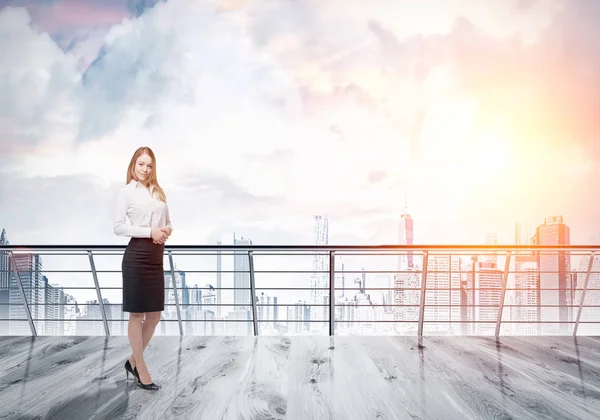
(583, 292)
(219, 287)
(175, 291)
(253, 292)
(22, 291)
(423, 290)
(503, 293)
(331, 293)
(98, 293)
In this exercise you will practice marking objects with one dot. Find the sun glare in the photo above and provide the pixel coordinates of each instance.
(447, 126)
(492, 154)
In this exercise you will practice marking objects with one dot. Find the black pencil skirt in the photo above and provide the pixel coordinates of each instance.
(143, 276)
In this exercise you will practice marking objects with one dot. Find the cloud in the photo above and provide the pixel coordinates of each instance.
(542, 96)
(63, 214)
(377, 176)
(547, 92)
(138, 7)
(56, 210)
(39, 85)
(254, 119)
(153, 71)
(62, 18)
(220, 199)
(525, 4)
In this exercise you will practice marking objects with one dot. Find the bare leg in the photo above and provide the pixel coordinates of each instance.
(148, 328)
(134, 332)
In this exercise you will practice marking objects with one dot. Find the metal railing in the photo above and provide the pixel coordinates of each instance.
(435, 281)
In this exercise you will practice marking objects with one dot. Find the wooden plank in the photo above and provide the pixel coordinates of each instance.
(65, 368)
(17, 350)
(475, 381)
(173, 362)
(315, 377)
(310, 379)
(401, 363)
(523, 385)
(208, 396)
(361, 392)
(262, 391)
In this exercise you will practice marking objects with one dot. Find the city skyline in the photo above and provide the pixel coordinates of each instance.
(528, 273)
(485, 113)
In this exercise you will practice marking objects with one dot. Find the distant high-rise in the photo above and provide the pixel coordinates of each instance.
(5, 269)
(241, 276)
(405, 278)
(340, 278)
(275, 312)
(219, 301)
(55, 309)
(405, 237)
(590, 314)
(29, 267)
(443, 292)
(554, 269)
(183, 297)
(526, 281)
(522, 234)
(482, 297)
(320, 277)
(5, 266)
(528, 298)
(490, 256)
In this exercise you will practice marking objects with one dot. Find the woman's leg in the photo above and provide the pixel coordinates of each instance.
(134, 332)
(148, 327)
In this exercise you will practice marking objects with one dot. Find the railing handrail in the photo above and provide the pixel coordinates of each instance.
(509, 250)
(323, 248)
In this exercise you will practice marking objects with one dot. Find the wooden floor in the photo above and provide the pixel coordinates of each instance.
(304, 378)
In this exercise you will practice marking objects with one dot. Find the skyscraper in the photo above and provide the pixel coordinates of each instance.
(219, 301)
(484, 285)
(5, 268)
(405, 237)
(590, 313)
(241, 276)
(320, 277)
(55, 308)
(490, 256)
(554, 271)
(407, 278)
(443, 293)
(526, 280)
(29, 267)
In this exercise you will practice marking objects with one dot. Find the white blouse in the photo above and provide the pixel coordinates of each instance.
(142, 208)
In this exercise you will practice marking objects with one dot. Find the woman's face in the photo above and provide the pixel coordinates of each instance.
(143, 168)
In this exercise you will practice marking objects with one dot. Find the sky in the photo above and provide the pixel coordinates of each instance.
(263, 114)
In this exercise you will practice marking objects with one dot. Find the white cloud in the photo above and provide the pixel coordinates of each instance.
(188, 81)
(205, 98)
(59, 210)
(39, 82)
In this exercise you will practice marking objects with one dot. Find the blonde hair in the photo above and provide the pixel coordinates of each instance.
(152, 180)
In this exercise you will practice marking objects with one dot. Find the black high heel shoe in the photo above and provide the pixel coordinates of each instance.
(129, 369)
(150, 387)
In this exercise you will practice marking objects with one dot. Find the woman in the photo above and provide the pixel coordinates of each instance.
(143, 202)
